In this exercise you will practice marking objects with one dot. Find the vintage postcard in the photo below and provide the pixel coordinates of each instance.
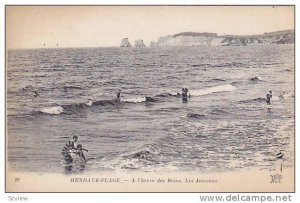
(150, 98)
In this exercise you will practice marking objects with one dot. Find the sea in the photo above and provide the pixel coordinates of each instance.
(225, 125)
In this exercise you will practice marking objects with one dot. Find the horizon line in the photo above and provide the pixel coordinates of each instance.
(118, 46)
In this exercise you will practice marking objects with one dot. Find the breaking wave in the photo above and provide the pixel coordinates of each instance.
(76, 107)
(254, 79)
(52, 110)
(215, 89)
(135, 100)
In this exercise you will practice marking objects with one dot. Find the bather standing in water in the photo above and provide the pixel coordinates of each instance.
(118, 96)
(268, 97)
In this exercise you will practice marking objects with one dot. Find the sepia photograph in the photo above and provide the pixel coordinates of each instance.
(150, 98)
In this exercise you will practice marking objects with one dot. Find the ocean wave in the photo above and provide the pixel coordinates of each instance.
(73, 64)
(272, 63)
(201, 65)
(286, 70)
(254, 79)
(73, 87)
(150, 99)
(170, 109)
(258, 99)
(233, 64)
(196, 116)
(169, 94)
(112, 82)
(148, 151)
(201, 92)
(72, 108)
(144, 154)
(218, 112)
(217, 80)
(143, 157)
(135, 100)
(261, 99)
(105, 102)
(215, 89)
(56, 110)
(57, 69)
(77, 107)
(130, 164)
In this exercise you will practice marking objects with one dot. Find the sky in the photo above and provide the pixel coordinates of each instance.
(105, 26)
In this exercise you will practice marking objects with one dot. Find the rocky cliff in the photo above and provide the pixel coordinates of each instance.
(125, 43)
(139, 43)
(212, 39)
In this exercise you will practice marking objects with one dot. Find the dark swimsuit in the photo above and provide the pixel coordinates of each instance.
(268, 100)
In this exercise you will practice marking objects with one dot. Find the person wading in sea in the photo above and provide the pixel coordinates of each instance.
(118, 96)
(69, 148)
(268, 97)
(184, 94)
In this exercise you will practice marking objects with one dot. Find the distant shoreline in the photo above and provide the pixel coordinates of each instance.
(212, 39)
(125, 48)
(207, 39)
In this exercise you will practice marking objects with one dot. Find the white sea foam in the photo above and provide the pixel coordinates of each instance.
(89, 103)
(135, 100)
(210, 90)
(53, 110)
(275, 98)
(260, 78)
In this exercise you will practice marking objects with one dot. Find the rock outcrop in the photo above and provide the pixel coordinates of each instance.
(139, 43)
(125, 43)
(212, 39)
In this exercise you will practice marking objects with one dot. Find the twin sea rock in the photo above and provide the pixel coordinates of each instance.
(137, 43)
